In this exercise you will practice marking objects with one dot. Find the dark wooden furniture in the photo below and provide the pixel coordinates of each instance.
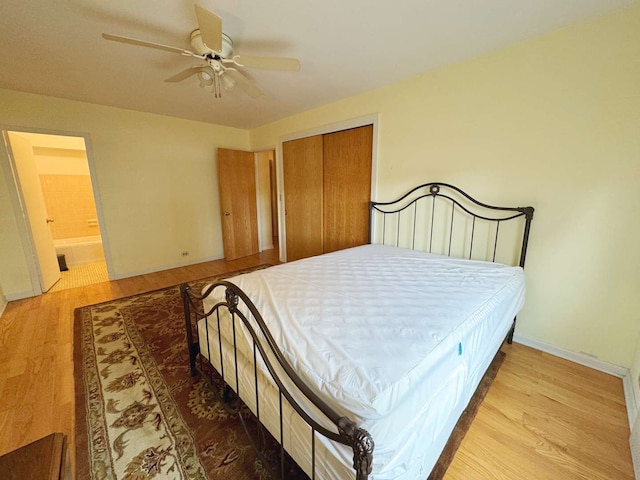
(44, 459)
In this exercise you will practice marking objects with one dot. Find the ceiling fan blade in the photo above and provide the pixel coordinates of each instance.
(271, 63)
(178, 77)
(210, 26)
(243, 83)
(143, 43)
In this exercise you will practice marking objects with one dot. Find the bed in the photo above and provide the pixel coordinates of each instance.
(360, 362)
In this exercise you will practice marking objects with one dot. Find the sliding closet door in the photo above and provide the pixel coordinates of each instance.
(347, 187)
(302, 160)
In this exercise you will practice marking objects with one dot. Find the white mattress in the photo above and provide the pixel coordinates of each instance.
(395, 339)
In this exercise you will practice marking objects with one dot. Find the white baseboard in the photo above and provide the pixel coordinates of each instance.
(630, 398)
(19, 296)
(164, 267)
(634, 443)
(3, 304)
(268, 247)
(580, 358)
(591, 362)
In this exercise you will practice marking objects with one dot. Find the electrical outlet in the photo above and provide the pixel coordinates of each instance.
(185, 254)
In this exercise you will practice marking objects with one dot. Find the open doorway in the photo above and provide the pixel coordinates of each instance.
(267, 199)
(53, 181)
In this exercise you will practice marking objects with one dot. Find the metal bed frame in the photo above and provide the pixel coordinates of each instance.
(390, 214)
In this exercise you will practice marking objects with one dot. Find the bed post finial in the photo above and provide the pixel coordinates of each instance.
(232, 300)
(362, 444)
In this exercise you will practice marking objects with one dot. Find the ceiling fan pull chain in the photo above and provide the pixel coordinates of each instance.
(218, 89)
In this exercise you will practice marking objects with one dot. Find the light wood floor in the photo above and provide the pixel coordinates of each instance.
(547, 418)
(543, 418)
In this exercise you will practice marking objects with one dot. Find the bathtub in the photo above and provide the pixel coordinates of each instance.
(80, 250)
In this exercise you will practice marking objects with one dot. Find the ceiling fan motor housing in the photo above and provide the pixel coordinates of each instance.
(200, 48)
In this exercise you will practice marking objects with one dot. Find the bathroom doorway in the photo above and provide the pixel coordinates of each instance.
(53, 180)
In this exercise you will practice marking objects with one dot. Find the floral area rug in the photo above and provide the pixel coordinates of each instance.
(140, 415)
(139, 412)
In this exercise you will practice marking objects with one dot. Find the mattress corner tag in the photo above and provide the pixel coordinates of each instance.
(459, 348)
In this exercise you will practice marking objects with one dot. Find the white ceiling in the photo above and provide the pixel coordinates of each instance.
(55, 47)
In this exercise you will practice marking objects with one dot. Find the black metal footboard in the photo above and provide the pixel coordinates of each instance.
(266, 352)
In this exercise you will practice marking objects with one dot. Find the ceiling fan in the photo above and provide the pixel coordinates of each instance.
(219, 68)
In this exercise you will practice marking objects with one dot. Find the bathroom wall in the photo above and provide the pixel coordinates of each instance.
(66, 185)
(69, 201)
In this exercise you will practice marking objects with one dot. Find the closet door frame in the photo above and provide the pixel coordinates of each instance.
(321, 130)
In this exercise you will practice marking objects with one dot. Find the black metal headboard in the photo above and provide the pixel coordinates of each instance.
(441, 218)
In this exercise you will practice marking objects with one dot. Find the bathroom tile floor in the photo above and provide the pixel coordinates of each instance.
(81, 275)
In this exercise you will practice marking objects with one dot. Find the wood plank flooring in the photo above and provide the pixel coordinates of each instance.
(36, 350)
(543, 418)
(547, 418)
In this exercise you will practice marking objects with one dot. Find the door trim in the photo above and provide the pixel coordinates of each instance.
(24, 230)
(372, 119)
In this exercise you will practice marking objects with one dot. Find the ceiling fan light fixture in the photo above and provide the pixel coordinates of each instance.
(205, 78)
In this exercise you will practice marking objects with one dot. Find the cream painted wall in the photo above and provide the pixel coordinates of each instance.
(59, 155)
(156, 178)
(40, 140)
(553, 122)
(51, 161)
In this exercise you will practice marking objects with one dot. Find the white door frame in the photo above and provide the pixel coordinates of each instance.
(24, 229)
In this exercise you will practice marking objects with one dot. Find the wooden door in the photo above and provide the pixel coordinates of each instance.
(302, 162)
(347, 187)
(238, 208)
